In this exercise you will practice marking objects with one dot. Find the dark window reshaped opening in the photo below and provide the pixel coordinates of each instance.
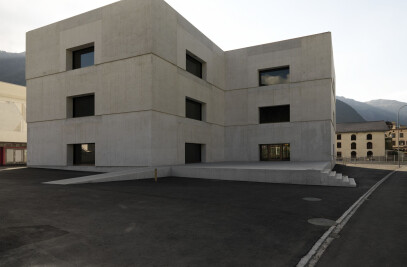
(339, 145)
(369, 137)
(83, 106)
(339, 154)
(276, 152)
(274, 76)
(194, 66)
(83, 58)
(275, 114)
(339, 137)
(84, 154)
(193, 109)
(369, 145)
(193, 153)
(353, 137)
(353, 155)
(353, 146)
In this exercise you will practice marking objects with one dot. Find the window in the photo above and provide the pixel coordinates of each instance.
(339, 145)
(394, 143)
(353, 137)
(401, 143)
(274, 76)
(369, 137)
(393, 135)
(193, 153)
(369, 145)
(353, 145)
(277, 152)
(83, 58)
(194, 66)
(84, 154)
(369, 154)
(338, 137)
(401, 135)
(83, 106)
(353, 155)
(274, 114)
(193, 109)
(339, 154)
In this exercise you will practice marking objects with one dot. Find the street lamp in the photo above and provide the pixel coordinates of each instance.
(398, 133)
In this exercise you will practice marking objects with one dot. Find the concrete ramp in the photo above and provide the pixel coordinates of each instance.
(303, 173)
(133, 174)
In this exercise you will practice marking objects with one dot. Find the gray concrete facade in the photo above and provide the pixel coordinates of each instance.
(140, 86)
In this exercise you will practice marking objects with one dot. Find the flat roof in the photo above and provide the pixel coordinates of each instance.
(369, 126)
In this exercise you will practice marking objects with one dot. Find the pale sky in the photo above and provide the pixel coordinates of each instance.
(369, 37)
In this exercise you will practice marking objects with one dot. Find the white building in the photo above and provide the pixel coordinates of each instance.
(135, 84)
(13, 125)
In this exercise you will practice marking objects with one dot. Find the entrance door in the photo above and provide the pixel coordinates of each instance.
(275, 152)
(193, 153)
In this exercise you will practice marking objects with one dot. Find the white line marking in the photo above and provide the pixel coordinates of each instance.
(10, 169)
(322, 244)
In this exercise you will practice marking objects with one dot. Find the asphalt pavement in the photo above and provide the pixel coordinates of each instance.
(175, 222)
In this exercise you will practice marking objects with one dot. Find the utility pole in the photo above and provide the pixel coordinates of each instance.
(398, 133)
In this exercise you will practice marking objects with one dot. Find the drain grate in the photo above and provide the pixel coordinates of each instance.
(15, 237)
(321, 222)
(311, 199)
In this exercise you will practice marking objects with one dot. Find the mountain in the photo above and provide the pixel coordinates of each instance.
(376, 110)
(12, 67)
(345, 113)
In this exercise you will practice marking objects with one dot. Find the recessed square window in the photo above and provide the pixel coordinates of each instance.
(194, 66)
(84, 154)
(193, 153)
(83, 58)
(274, 76)
(274, 114)
(193, 109)
(83, 106)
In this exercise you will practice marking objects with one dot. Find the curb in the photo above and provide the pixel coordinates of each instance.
(322, 244)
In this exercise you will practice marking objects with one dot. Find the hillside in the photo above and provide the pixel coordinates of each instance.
(376, 110)
(345, 113)
(12, 67)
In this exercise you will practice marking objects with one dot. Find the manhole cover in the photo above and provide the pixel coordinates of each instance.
(311, 199)
(321, 222)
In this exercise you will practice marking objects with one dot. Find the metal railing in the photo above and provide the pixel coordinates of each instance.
(390, 159)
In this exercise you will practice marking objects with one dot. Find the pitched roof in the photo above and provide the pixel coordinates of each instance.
(369, 126)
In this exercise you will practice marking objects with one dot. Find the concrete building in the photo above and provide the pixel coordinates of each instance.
(398, 137)
(135, 84)
(361, 139)
(13, 125)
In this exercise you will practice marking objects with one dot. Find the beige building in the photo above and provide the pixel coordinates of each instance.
(361, 139)
(398, 138)
(13, 124)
